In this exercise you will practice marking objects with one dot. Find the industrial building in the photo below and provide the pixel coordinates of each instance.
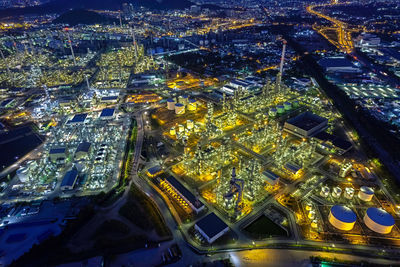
(154, 171)
(305, 125)
(338, 64)
(342, 217)
(69, 180)
(194, 203)
(378, 220)
(107, 113)
(211, 227)
(78, 118)
(270, 177)
(82, 150)
(57, 153)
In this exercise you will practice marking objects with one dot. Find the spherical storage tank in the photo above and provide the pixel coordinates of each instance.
(378, 220)
(179, 108)
(342, 217)
(192, 106)
(366, 193)
(170, 104)
(281, 109)
(287, 106)
(272, 112)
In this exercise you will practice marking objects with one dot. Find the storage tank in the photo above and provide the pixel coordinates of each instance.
(179, 108)
(308, 206)
(181, 128)
(287, 106)
(349, 192)
(280, 109)
(311, 215)
(342, 217)
(185, 99)
(379, 220)
(272, 112)
(170, 104)
(172, 131)
(22, 174)
(324, 191)
(366, 193)
(189, 124)
(296, 104)
(314, 224)
(192, 106)
(336, 192)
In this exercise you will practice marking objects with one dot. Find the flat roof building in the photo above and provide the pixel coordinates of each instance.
(57, 153)
(107, 113)
(69, 180)
(211, 227)
(185, 194)
(305, 125)
(82, 150)
(78, 118)
(270, 177)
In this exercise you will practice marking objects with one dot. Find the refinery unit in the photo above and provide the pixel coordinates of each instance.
(82, 152)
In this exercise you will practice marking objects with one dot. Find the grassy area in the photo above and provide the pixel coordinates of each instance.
(142, 211)
(111, 227)
(263, 227)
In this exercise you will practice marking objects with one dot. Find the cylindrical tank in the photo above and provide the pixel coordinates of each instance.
(311, 215)
(181, 128)
(189, 124)
(296, 104)
(314, 224)
(272, 112)
(192, 106)
(342, 217)
(378, 220)
(366, 193)
(172, 131)
(22, 174)
(185, 99)
(336, 192)
(349, 192)
(170, 104)
(179, 108)
(324, 191)
(280, 109)
(287, 106)
(308, 206)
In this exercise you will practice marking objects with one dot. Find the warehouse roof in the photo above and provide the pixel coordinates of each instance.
(78, 118)
(83, 147)
(307, 121)
(107, 112)
(70, 178)
(184, 191)
(59, 150)
(211, 225)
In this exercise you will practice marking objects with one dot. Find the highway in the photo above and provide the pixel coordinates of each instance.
(344, 40)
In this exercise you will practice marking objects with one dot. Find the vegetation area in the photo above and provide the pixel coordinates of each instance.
(263, 227)
(141, 211)
(111, 227)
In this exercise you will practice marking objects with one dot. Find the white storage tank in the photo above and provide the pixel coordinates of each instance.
(348, 192)
(179, 108)
(189, 124)
(181, 128)
(366, 193)
(22, 174)
(342, 217)
(336, 192)
(311, 215)
(170, 104)
(324, 191)
(379, 220)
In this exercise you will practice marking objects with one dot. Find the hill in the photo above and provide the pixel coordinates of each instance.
(62, 6)
(82, 16)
